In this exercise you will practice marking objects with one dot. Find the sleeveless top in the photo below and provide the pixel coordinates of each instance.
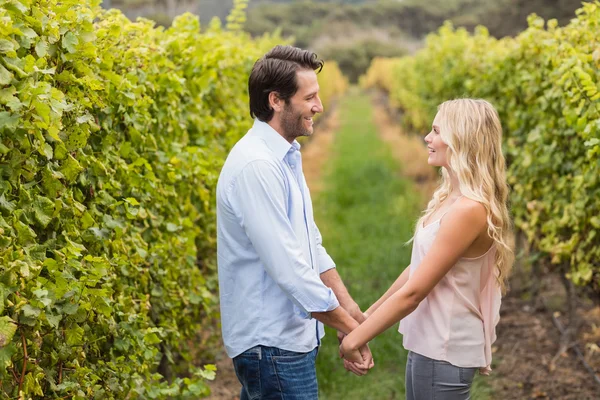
(457, 320)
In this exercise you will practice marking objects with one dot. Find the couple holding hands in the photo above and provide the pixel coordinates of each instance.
(278, 286)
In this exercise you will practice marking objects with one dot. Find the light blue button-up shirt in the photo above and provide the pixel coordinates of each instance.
(269, 248)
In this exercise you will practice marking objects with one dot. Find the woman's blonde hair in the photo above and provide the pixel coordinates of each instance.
(471, 129)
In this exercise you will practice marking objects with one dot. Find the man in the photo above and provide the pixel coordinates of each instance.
(278, 285)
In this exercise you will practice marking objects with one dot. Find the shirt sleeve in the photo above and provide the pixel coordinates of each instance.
(324, 261)
(259, 198)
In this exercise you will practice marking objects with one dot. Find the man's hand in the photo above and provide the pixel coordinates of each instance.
(357, 368)
(365, 352)
(354, 368)
(360, 317)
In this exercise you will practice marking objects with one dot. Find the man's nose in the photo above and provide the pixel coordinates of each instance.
(318, 106)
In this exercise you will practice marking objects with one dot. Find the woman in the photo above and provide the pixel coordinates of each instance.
(448, 299)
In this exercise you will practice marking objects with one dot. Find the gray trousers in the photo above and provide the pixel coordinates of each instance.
(428, 379)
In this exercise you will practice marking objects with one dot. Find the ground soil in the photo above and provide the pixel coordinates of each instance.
(530, 365)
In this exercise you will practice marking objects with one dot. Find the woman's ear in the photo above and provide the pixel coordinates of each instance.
(275, 102)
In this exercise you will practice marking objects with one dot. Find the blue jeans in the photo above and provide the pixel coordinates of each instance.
(269, 373)
(428, 379)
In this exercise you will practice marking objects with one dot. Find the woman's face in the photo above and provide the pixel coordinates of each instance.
(437, 148)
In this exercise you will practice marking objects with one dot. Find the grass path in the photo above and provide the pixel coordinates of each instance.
(366, 213)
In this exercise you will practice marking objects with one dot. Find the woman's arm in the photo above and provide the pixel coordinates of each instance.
(393, 289)
(457, 232)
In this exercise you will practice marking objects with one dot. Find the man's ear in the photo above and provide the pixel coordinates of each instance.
(275, 102)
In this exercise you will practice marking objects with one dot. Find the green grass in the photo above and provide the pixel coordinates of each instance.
(366, 213)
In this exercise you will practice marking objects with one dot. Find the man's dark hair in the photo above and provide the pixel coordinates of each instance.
(276, 72)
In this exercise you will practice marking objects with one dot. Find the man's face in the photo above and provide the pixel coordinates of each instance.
(298, 112)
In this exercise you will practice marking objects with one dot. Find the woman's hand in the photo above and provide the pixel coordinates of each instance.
(356, 369)
(352, 355)
(362, 356)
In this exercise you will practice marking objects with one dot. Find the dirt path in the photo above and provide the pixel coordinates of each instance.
(226, 385)
(316, 152)
(314, 156)
(528, 341)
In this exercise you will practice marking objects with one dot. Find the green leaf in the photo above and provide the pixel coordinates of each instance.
(70, 42)
(8, 206)
(151, 338)
(133, 201)
(6, 354)
(69, 308)
(7, 330)
(71, 168)
(2, 296)
(46, 150)
(32, 385)
(17, 6)
(74, 335)
(592, 142)
(87, 220)
(53, 320)
(41, 48)
(25, 234)
(51, 181)
(7, 96)
(43, 110)
(43, 209)
(6, 46)
(37, 252)
(47, 71)
(8, 120)
(171, 227)
(30, 311)
(29, 33)
(5, 76)
(76, 139)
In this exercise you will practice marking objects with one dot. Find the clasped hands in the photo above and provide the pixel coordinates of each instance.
(358, 361)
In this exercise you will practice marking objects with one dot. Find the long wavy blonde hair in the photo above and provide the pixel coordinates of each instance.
(471, 129)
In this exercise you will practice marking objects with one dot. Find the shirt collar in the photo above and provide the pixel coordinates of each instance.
(278, 145)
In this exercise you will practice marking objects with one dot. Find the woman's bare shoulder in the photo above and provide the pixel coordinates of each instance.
(469, 212)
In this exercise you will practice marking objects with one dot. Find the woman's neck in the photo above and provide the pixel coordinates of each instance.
(454, 184)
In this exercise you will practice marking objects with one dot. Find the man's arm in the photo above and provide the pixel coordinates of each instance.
(342, 321)
(332, 279)
(258, 198)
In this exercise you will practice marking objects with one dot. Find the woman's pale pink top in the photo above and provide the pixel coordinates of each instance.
(457, 321)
